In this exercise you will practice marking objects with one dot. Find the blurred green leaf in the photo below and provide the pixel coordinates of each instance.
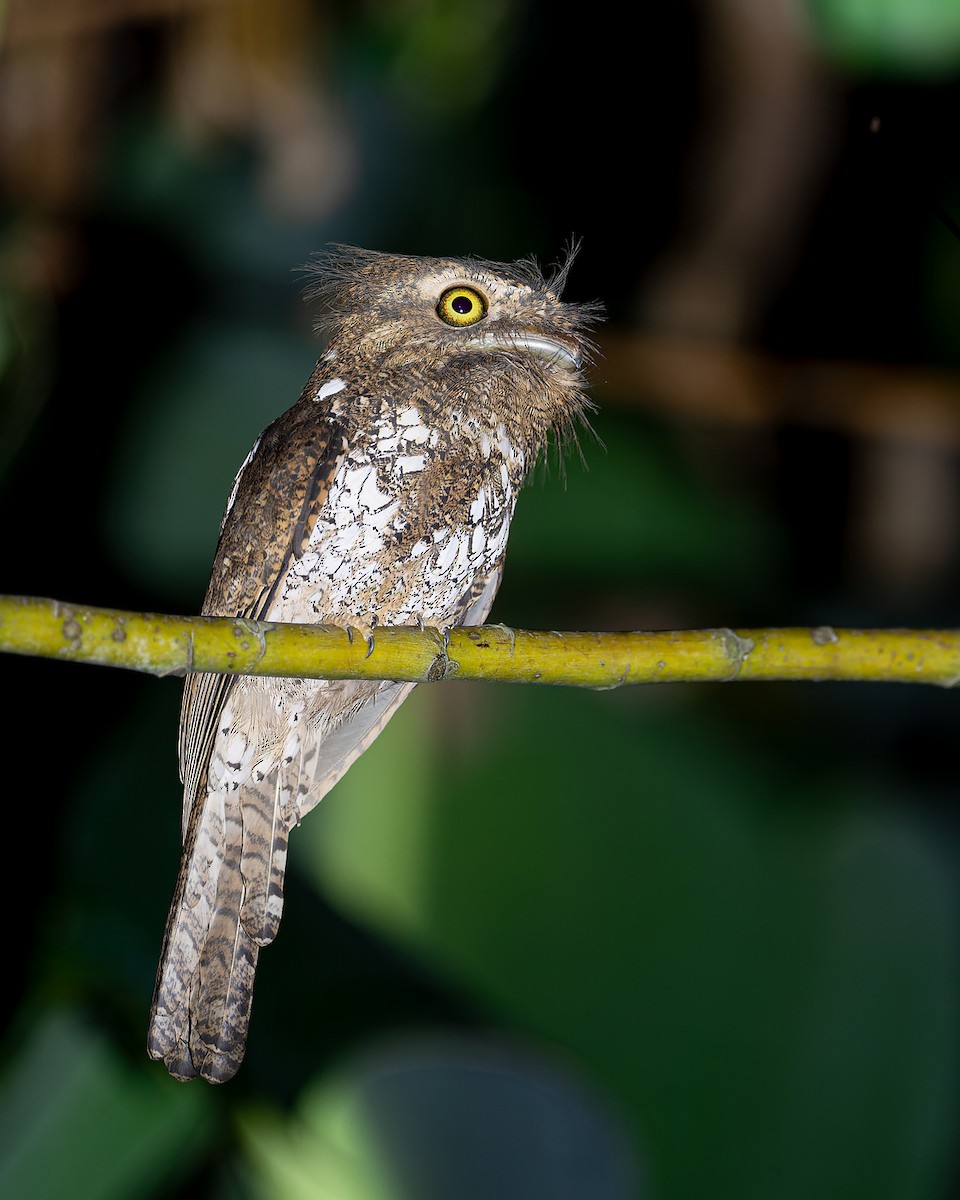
(899, 37)
(440, 1116)
(444, 57)
(74, 1120)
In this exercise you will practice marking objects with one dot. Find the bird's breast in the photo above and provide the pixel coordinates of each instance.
(413, 516)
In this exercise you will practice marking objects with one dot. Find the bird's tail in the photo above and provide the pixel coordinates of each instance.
(227, 904)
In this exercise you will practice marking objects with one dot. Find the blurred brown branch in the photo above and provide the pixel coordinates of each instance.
(30, 20)
(720, 382)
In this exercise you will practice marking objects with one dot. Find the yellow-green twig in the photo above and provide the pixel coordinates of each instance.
(170, 645)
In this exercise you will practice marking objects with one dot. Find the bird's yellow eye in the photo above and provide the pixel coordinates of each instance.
(462, 306)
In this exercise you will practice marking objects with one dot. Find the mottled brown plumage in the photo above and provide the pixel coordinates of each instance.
(384, 496)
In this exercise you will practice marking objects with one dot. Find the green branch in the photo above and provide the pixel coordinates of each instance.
(168, 645)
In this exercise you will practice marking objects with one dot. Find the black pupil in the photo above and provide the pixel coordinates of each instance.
(461, 305)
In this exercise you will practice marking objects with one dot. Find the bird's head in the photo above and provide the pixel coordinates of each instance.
(494, 333)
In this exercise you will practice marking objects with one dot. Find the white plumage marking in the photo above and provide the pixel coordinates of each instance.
(409, 415)
(448, 552)
(330, 388)
(370, 497)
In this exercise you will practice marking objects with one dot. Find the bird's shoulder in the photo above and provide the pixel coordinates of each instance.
(281, 486)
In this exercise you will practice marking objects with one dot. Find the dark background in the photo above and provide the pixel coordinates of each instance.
(668, 942)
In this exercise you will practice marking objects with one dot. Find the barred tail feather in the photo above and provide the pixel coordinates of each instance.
(263, 857)
(204, 989)
(220, 1014)
(177, 984)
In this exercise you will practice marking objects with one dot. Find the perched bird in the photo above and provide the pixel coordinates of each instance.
(383, 496)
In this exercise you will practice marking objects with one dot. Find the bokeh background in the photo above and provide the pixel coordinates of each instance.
(665, 942)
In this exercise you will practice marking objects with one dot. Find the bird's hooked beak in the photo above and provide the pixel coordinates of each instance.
(551, 350)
